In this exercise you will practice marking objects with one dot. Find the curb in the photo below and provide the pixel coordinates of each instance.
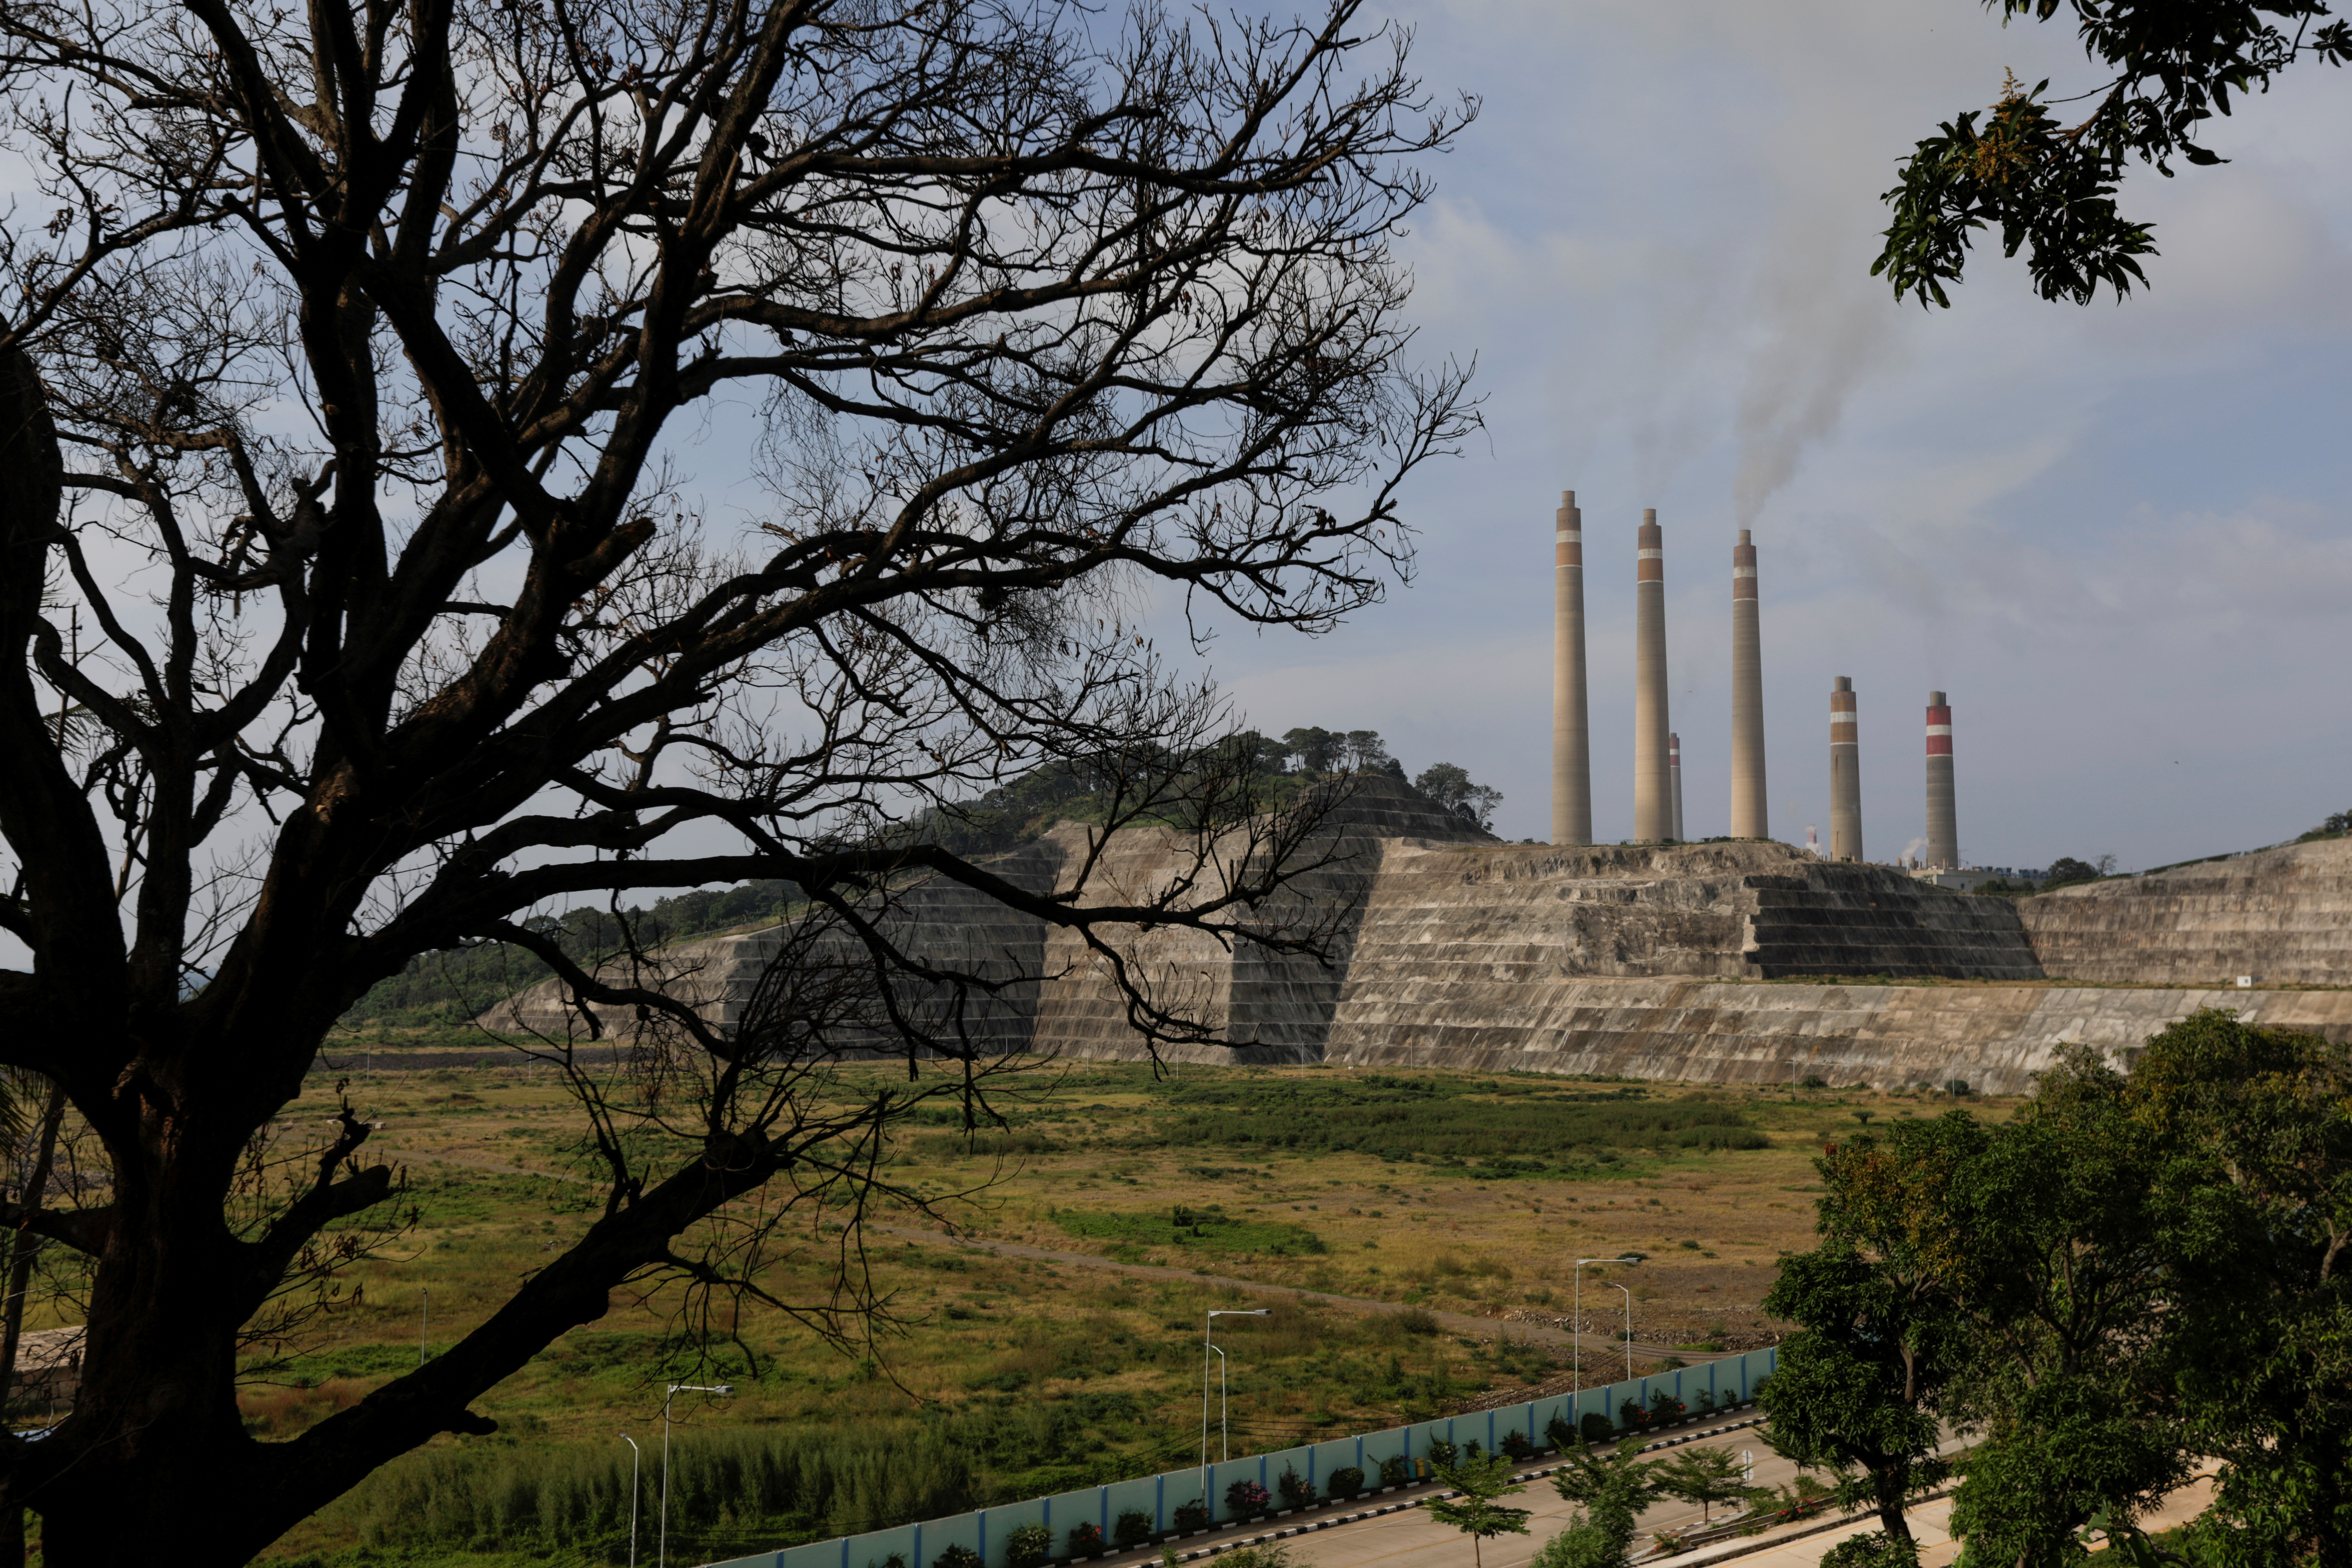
(1765, 1540)
(1201, 1554)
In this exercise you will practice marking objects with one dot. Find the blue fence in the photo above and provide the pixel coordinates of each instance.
(1729, 1380)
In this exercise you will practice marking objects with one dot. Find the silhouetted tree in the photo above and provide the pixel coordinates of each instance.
(371, 342)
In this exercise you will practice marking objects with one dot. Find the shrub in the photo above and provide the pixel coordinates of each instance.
(1244, 1498)
(1873, 1549)
(1028, 1546)
(1668, 1543)
(1597, 1428)
(1131, 1529)
(1296, 1492)
(1417, 1321)
(1442, 1452)
(1666, 1410)
(1395, 1470)
(957, 1557)
(1272, 1554)
(1516, 1445)
(1705, 1402)
(1632, 1417)
(1085, 1540)
(1346, 1483)
(1188, 1518)
(1561, 1434)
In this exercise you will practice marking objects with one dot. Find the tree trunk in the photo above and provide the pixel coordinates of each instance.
(154, 1463)
(12, 1315)
(1890, 1508)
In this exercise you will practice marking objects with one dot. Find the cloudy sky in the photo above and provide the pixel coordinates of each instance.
(2120, 537)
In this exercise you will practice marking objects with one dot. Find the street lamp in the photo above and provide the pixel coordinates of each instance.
(661, 1536)
(1207, 1325)
(635, 1458)
(1576, 1329)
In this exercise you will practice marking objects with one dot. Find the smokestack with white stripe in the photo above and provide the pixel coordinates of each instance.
(1749, 819)
(1654, 806)
(1943, 810)
(1845, 774)
(1674, 774)
(1571, 735)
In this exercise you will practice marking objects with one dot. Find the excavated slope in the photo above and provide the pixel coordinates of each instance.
(1444, 947)
(2282, 916)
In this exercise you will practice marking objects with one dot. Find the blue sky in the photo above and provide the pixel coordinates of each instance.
(2117, 536)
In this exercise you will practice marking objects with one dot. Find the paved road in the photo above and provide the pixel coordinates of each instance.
(1409, 1539)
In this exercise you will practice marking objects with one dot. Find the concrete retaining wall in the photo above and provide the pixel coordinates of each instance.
(1446, 948)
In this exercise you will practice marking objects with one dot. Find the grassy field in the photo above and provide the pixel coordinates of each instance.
(1016, 1377)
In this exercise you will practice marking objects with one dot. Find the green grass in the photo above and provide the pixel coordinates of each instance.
(1512, 1130)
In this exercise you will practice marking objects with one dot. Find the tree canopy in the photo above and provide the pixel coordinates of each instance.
(2135, 1271)
(2047, 180)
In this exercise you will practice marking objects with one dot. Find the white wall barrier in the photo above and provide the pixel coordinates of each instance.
(1729, 1380)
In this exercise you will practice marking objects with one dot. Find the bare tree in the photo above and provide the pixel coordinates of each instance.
(352, 365)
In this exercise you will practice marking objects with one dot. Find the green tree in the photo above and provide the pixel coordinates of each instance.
(1610, 1491)
(1706, 1477)
(2255, 1130)
(2049, 185)
(2052, 1253)
(1476, 1514)
(1451, 787)
(1319, 750)
(1880, 1334)
(2066, 870)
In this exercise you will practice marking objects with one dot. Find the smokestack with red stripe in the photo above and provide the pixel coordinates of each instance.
(1654, 805)
(1674, 774)
(1845, 772)
(1943, 810)
(1571, 735)
(1747, 815)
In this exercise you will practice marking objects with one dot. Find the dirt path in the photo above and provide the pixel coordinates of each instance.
(1604, 1351)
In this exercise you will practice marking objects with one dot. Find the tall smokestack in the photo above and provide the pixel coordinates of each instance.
(1674, 776)
(1654, 806)
(1749, 818)
(1845, 774)
(1571, 735)
(1943, 811)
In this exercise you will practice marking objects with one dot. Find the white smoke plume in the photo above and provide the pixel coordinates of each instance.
(1826, 325)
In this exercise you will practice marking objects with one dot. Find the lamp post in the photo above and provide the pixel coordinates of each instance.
(635, 1458)
(661, 1535)
(1576, 1332)
(1208, 1326)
